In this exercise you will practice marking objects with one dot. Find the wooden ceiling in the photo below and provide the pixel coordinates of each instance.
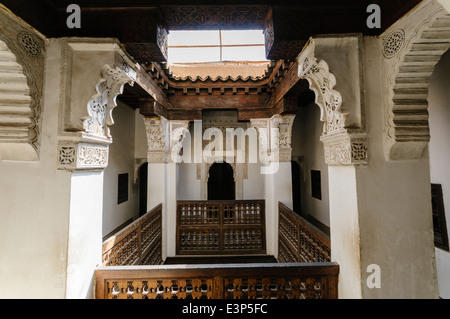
(142, 27)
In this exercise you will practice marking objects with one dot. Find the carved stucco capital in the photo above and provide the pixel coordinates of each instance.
(274, 137)
(164, 138)
(75, 156)
(178, 132)
(346, 149)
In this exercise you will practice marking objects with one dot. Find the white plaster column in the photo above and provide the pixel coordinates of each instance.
(345, 229)
(275, 153)
(85, 229)
(164, 143)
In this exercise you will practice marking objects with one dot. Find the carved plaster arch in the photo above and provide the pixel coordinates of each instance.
(410, 63)
(342, 147)
(322, 82)
(19, 105)
(92, 151)
(102, 104)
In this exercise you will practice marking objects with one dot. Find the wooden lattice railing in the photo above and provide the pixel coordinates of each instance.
(299, 241)
(246, 281)
(221, 227)
(137, 244)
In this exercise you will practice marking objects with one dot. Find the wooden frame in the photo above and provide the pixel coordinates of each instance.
(316, 184)
(220, 45)
(439, 221)
(219, 281)
(122, 188)
(218, 223)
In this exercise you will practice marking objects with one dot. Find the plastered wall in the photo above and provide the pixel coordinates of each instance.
(439, 148)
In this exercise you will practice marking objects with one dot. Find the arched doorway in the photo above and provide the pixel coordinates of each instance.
(221, 184)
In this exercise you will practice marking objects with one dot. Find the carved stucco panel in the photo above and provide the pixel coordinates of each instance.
(411, 49)
(346, 150)
(23, 53)
(165, 139)
(82, 156)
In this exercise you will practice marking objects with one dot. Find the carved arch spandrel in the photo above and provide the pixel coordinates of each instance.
(322, 82)
(22, 53)
(102, 104)
(420, 42)
(339, 142)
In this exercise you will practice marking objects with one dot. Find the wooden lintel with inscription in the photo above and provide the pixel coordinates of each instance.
(196, 102)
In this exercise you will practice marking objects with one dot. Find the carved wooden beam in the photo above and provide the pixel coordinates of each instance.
(147, 86)
(291, 85)
(141, 29)
(149, 108)
(199, 102)
(287, 105)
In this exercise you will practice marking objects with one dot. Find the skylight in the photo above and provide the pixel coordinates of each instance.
(216, 46)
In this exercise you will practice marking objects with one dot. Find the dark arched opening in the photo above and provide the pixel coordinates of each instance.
(221, 185)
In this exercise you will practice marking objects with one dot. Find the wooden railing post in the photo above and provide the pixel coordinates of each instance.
(218, 288)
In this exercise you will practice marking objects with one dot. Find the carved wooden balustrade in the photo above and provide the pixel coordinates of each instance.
(232, 281)
(221, 227)
(137, 244)
(299, 241)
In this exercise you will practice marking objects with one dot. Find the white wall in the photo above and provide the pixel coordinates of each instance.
(306, 143)
(394, 207)
(34, 209)
(140, 137)
(254, 184)
(121, 161)
(439, 148)
(189, 183)
(189, 187)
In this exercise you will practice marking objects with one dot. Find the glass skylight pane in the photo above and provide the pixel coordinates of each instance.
(176, 38)
(193, 55)
(244, 54)
(242, 37)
